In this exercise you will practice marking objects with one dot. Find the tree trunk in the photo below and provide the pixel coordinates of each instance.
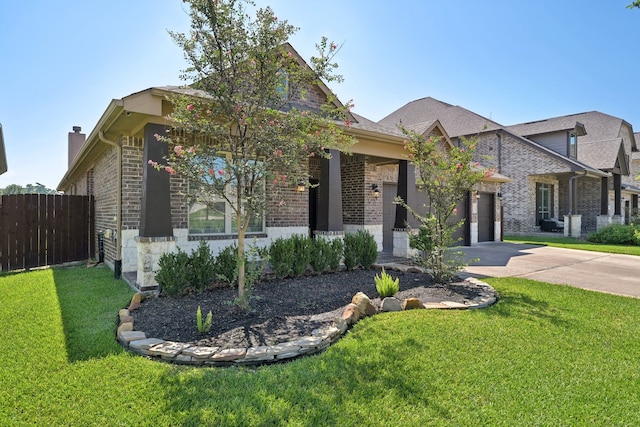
(241, 264)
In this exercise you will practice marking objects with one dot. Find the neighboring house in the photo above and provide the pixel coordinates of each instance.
(576, 167)
(143, 213)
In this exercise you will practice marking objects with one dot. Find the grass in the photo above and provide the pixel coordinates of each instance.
(573, 243)
(544, 355)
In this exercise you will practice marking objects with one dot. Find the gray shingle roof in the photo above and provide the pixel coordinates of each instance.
(599, 126)
(456, 120)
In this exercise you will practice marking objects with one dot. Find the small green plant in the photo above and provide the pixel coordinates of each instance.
(203, 264)
(386, 285)
(334, 256)
(174, 274)
(205, 327)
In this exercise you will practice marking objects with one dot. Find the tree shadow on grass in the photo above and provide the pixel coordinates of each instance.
(361, 383)
(521, 305)
(89, 300)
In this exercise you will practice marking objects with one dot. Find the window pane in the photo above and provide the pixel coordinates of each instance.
(204, 220)
(255, 224)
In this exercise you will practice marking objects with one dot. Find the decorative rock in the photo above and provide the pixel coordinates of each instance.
(260, 353)
(128, 326)
(200, 352)
(125, 319)
(125, 337)
(391, 304)
(145, 344)
(434, 305)
(411, 304)
(123, 312)
(341, 324)
(415, 270)
(136, 300)
(229, 355)
(308, 342)
(364, 304)
(351, 314)
(452, 304)
(167, 349)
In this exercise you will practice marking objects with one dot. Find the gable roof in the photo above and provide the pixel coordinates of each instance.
(456, 120)
(600, 146)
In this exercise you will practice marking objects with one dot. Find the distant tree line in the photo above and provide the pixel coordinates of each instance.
(36, 188)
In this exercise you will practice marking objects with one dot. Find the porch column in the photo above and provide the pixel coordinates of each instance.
(155, 215)
(156, 231)
(406, 191)
(330, 195)
(634, 203)
(617, 194)
(604, 196)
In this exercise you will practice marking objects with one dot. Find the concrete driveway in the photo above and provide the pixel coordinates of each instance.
(598, 271)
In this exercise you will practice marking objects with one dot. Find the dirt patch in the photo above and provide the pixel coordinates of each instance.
(281, 310)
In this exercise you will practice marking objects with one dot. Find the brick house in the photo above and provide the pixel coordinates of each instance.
(580, 167)
(143, 213)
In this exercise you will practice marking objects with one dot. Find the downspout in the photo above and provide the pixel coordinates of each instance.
(117, 264)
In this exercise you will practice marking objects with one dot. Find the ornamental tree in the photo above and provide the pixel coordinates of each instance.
(445, 173)
(239, 126)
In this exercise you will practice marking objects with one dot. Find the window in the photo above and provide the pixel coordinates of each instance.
(573, 145)
(544, 201)
(217, 217)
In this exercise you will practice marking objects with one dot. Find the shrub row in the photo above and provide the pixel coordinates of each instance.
(290, 257)
(617, 234)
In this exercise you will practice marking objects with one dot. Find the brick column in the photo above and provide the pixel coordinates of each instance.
(406, 191)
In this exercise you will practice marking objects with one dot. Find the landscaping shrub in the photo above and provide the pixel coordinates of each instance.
(175, 272)
(335, 254)
(226, 265)
(617, 234)
(281, 252)
(203, 266)
(360, 249)
(302, 251)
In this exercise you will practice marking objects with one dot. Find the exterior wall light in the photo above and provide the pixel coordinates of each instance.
(375, 190)
(300, 187)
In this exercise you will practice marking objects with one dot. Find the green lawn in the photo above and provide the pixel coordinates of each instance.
(543, 355)
(573, 243)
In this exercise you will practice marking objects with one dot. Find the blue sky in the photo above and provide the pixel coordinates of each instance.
(512, 61)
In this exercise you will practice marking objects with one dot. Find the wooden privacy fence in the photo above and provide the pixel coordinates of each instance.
(42, 229)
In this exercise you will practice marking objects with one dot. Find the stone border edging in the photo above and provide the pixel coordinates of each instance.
(187, 354)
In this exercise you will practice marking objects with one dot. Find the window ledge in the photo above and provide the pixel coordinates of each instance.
(225, 236)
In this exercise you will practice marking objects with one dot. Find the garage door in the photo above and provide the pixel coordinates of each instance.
(486, 218)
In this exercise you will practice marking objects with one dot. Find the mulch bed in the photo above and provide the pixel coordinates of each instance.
(281, 310)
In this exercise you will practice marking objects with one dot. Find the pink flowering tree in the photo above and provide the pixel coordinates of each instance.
(445, 173)
(241, 131)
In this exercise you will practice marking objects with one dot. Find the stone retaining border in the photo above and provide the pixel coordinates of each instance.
(186, 354)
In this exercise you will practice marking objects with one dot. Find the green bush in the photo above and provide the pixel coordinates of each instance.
(360, 249)
(226, 265)
(174, 274)
(203, 266)
(302, 251)
(325, 254)
(617, 234)
(386, 285)
(335, 254)
(281, 253)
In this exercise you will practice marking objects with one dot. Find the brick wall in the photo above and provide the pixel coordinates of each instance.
(132, 158)
(106, 182)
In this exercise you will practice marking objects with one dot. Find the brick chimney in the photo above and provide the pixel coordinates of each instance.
(76, 141)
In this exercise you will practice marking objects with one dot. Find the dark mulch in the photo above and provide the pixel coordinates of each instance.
(281, 310)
